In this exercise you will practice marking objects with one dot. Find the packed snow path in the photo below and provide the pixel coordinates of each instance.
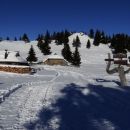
(69, 99)
(23, 105)
(20, 104)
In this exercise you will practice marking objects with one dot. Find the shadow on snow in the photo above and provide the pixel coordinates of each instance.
(104, 80)
(92, 107)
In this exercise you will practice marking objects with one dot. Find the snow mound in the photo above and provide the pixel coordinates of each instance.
(83, 37)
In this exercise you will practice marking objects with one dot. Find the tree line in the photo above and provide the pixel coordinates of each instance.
(120, 43)
(71, 57)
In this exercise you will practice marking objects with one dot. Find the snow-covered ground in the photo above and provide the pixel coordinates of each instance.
(64, 97)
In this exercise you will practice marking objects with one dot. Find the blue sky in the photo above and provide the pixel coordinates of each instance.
(37, 16)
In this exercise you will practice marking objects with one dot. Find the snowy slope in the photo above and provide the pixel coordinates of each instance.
(20, 46)
(64, 98)
(87, 55)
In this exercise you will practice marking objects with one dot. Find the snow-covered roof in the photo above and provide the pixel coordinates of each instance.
(55, 56)
(12, 57)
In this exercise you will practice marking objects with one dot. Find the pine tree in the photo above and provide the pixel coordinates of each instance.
(39, 37)
(91, 33)
(44, 47)
(53, 37)
(76, 60)
(67, 33)
(61, 37)
(119, 42)
(47, 37)
(40, 42)
(76, 42)
(15, 39)
(66, 36)
(66, 40)
(25, 38)
(66, 52)
(109, 39)
(104, 38)
(1, 39)
(7, 38)
(31, 55)
(97, 38)
(128, 45)
(88, 44)
(20, 39)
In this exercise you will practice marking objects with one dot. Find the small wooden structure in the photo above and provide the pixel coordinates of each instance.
(12, 62)
(120, 60)
(55, 60)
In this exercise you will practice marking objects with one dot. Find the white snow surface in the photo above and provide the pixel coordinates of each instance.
(64, 97)
(11, 57)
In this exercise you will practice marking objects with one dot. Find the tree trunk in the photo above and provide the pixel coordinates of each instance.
(122, 76)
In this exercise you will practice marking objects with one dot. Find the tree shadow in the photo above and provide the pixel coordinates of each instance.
(91, 107)
(104, 80)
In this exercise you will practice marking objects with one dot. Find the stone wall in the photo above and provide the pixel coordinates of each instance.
(15, 69)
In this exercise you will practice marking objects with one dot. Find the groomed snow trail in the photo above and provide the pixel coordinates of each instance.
(23, 105)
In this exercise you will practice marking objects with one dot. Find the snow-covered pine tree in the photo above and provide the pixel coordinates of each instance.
(76, 60)
(31, 55)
